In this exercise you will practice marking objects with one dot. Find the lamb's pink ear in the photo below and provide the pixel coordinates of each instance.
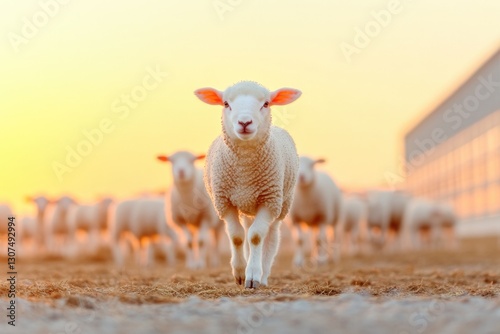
(163, 158)
(284, 96)
(201, 156)
(210, 95)
(319, 161)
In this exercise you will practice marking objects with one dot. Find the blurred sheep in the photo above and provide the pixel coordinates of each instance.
(141, 223)
(431, 224)
(57, 231)
(353, 218)
(42, 205)
(191, 209)
(316, 204)
(385, 218)
(93, 220)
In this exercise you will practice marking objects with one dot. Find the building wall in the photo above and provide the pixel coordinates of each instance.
(478, 97)
(464, 170)
(453, 154)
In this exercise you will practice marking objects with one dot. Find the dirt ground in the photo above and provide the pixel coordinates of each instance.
(54, 295)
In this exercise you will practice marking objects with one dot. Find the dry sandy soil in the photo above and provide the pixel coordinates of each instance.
(424, 292)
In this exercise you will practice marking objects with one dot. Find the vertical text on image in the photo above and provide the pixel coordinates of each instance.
(11, 272)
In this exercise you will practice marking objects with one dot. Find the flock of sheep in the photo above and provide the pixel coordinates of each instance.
(252, 181)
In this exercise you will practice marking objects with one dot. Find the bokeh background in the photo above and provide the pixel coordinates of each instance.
(65, 74)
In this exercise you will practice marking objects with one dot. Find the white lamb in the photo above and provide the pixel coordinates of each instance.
(420, 217)
(446, 233)
(41, 203)
(141, 222)
(425, 221)
(250, 172)
(353, 217)
(190, 208)
(317, 204)
(57, 236)
(93, 220)
(28, 236)
(385, 218)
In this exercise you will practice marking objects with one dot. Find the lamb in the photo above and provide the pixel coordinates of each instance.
(28, 235)
(353, 222)
(57, 230)
(141, 221)
(420, 219)
(446, 233)
(191, 209)
(41, 204)
(385, 217)
(425, 221)
(317, 205)
(250, 173)
(93, 219)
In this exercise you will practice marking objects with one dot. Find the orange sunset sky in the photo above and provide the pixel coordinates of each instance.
(67, 67)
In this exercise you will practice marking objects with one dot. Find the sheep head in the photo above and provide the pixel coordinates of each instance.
(183, 168)
(246, 114)
(306, 170)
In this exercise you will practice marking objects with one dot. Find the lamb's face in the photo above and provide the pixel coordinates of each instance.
(64, 203)
(183, 168)
(246, 117)
(246, 114)
(41, 204)
(106, 202)
(306, 170)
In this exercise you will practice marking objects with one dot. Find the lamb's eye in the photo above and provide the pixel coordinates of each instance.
(226, 105)
(266, 105)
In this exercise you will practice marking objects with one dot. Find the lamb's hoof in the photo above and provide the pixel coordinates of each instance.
(251, 284)
(239, 280)
(239, 275)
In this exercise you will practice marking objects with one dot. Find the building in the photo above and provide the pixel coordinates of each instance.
(453, 154)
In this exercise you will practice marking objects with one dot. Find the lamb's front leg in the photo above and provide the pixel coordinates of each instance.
(190, 256)
(322, 244)
(203, 239)
(336, 243)
(146, 252)
(354, 241)
(236, 235)
(271, 246)
(298, 259)
(93, 237)
(247, 222)
(256, 236)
